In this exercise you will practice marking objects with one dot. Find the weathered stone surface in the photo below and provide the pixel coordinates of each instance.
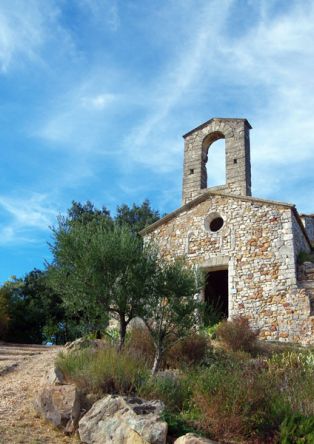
(59, 405)
(235, 132)
(258, 242)
(190, 438)
(82, 343)
(120, 420)
(53, 376)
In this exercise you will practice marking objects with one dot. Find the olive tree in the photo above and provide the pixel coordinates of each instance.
(100, 269)
(171, 304)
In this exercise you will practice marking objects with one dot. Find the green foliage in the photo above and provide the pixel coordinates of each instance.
(229, 397)
(169, 388)
(35, 310)
(103, 371)
(234, 401)
(136, 217)
(211, 315)
(237, 334)
(100, 267)
(177, 425)
(297, 429)
(211, 331)
(304, 256)
(293, 373)
(84, 213)
(170, 305)
(4, 311)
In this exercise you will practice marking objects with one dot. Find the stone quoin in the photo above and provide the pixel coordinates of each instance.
(249, 247)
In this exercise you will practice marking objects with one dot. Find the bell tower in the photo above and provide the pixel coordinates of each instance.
(237, 157)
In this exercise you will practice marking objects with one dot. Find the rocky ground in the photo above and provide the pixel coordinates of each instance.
(21, 371)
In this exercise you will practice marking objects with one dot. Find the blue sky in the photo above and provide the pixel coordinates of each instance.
(96, 94)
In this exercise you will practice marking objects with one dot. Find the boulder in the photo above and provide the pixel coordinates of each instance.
(53, 376)
(190, 438)
(60, 405)
(121, 420)
(82, 343)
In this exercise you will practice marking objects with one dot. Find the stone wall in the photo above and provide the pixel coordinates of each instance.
(299, 239)
(308, 222)
(256, 244)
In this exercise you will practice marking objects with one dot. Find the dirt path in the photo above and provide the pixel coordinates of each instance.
(18, 387)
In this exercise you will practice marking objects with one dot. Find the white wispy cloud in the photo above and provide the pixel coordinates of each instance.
(273, 60)
(270, 63)
(75, 120)
(25, 27)
(24, 217)
(278, 57)
(186, 69)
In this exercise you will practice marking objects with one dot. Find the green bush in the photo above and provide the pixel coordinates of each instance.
(297, 429)
(177, 425)
(293, 374)
(170, 388)
(103, 371)
(234, 401)
(4, 312)
(237, 335)
(229, 396)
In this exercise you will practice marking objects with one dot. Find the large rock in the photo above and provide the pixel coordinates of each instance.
(190, 438)
(53, 376)
(83, 343)
(121, 420)
(59, 405)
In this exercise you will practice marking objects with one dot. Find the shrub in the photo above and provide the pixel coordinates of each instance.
(177, 425)
(234, 401)
(190, 350)
(297, 429)
(140, 344)
(4, 312)
(237, 335)
(293, 374)
(211, 315)
(102, 371)
(169, 387)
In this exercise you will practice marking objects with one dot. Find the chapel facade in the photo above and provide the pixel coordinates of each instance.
(248, 247)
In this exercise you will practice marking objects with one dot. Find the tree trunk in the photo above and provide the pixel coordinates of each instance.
(157, 361)
(122, 333)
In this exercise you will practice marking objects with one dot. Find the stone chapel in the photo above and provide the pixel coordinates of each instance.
(249, 247)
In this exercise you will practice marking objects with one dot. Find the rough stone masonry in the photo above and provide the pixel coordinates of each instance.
(249, 247)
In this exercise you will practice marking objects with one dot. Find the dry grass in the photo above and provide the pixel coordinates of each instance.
(19, 423)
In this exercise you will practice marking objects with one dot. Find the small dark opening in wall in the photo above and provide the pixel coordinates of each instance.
(216, 224)
(235, 160)
(216, 296)
(312, 306)
(191, 171)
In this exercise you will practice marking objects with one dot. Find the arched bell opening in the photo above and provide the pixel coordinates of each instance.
(213, 168)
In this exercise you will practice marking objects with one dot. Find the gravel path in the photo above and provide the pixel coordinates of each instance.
(21, 370)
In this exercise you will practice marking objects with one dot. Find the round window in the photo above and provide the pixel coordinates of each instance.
(214, 222)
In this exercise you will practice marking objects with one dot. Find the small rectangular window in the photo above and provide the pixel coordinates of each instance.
(235, 160)
(191, 171)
